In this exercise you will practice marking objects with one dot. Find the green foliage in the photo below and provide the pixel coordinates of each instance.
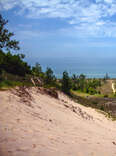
(81, 82)
(66, 83)
(82, 77)
(14, 64)
(8, 62)
(7, 84)
(49, 77)
(5, 37)
(74, 82)
(37, 70)
(74, 78)
(92, 91)
(85, 85)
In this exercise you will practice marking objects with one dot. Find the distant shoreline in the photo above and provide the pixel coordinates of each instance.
(101, 76)
(92, 68)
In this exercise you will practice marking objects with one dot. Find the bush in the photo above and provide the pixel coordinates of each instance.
(8, 83)
(92, 91)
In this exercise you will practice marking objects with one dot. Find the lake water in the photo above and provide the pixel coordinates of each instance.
(97, 67)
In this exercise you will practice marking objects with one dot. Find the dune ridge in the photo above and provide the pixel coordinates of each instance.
(33, 123)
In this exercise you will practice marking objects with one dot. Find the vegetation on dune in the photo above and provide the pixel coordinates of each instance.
(11, 63)
(5, 37)
(66, 83)
(85, 85)
(37, 70)
(49, 77)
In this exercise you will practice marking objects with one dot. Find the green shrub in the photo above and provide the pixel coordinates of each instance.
(92, 91)
(8, 84)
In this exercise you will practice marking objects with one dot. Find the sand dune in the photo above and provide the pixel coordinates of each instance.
(36, 124)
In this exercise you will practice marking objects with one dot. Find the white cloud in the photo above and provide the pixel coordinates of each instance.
(108, 1)
(91, 18)
(6, 4)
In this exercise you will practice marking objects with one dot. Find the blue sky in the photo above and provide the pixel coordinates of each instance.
(63, 28)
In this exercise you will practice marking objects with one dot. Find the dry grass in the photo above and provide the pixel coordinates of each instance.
(106, 88)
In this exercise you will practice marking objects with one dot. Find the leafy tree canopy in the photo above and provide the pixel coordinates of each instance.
(36, 70)
(10, 63)
(6, 43)
(49, 76)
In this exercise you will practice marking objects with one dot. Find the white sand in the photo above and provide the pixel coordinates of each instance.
(52, 127)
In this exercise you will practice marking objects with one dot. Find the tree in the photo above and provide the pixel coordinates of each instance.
(66, 83)
(82, 82)
(82, 77)
(6, 42)
(74, 82)
(36, 70)
(13, 64)
(74, 77)
(49, 76)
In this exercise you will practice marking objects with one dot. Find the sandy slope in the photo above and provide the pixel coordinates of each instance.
(51, 127)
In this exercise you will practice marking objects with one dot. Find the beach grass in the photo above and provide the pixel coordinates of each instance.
(7, 84)
(82, 94)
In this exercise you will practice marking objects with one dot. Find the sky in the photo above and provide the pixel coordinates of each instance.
(63, 28)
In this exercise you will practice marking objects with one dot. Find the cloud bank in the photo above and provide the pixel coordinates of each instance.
(87, 17)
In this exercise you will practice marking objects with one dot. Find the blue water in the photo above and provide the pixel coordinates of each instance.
(92, 68)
